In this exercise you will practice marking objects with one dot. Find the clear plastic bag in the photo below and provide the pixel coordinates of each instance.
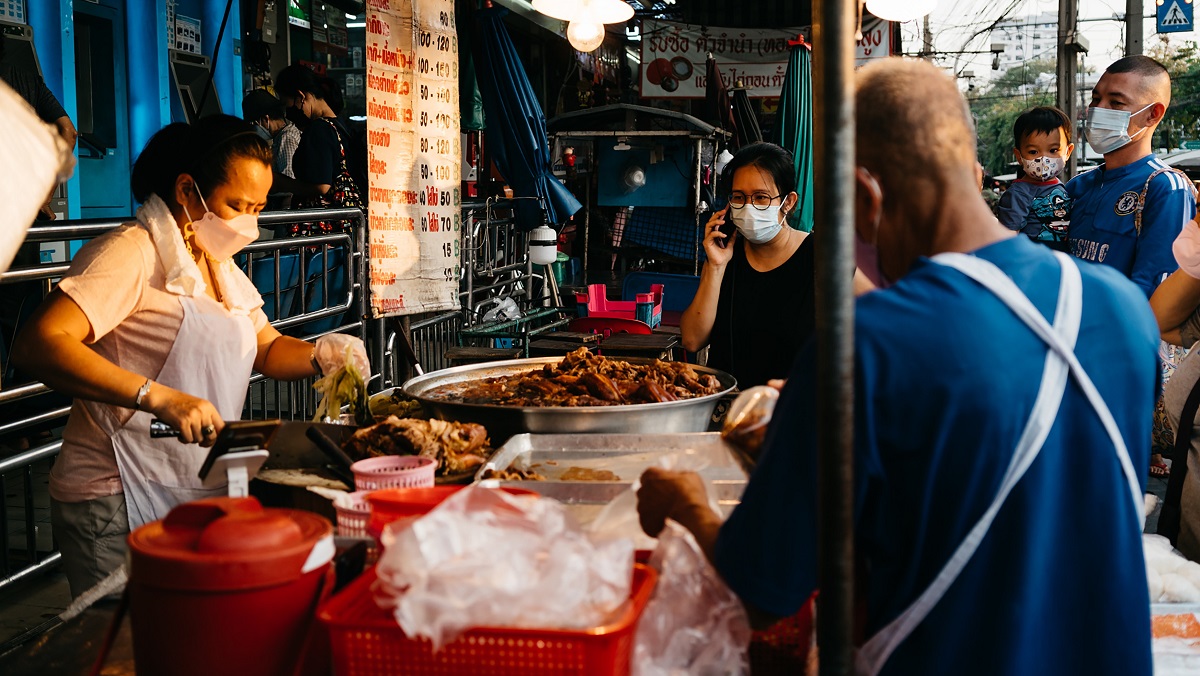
(694, 624)
(746, 425)
(487, 558)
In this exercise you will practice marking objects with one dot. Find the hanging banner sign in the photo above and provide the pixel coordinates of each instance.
(413, 147)
(674, 55)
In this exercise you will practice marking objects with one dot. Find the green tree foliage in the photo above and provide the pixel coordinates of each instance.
(1182, 61)
(997, 107)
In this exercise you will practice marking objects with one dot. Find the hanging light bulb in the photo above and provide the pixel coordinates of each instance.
(595, 11)
(900, 10)
(585, 35)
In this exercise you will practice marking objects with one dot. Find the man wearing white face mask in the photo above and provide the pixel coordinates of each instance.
(959, 453)
(155, 320)
(1127, 213)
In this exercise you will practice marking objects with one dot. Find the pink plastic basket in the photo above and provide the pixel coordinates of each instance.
(353, 514)
(393, 471)
(598, 305)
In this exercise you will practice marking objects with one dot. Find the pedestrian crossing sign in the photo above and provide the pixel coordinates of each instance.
(1175, 16)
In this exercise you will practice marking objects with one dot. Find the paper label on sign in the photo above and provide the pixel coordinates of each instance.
(321, 554)
(414, 156)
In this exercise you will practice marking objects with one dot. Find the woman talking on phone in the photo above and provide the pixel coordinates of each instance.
(754, 307)
(155, 320)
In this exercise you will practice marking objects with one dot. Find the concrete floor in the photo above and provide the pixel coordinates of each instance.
(30, 603)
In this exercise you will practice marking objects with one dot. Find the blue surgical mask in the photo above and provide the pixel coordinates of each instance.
(758, 226)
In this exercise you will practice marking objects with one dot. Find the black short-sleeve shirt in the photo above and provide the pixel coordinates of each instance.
(763, 318)
(30, 86)
(318, 157)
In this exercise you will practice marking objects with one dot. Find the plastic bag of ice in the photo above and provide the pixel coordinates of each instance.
(488, 558)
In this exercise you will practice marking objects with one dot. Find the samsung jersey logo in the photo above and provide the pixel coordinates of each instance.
(1089, 250)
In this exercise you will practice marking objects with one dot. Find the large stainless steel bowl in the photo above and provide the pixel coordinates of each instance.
(685, 415)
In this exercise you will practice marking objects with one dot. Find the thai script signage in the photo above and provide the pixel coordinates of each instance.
(413, 144)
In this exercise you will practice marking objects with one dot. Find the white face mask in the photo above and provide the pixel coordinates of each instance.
(1108, 129)
(222, 238)
(758, 226)
(1043, 168)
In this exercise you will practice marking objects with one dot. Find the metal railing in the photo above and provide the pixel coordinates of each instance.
(313, 286)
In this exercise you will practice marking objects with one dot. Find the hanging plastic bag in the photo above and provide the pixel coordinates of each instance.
(746, 424)
(694, 624)
(487, 558)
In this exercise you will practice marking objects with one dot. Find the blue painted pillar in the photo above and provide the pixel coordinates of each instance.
(228, 67)
(53, 24)
(149, 72)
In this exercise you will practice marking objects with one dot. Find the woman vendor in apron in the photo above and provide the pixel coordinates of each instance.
(154, 320)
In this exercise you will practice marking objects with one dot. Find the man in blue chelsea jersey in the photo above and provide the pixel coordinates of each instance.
(1127, 213)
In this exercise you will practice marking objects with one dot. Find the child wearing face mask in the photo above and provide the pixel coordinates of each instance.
(1041, 144)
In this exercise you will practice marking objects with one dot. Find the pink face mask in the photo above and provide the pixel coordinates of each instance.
(222, 238)
(1187, 249)
(866, 257)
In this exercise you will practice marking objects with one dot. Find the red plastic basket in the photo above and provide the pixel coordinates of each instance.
(366, 641)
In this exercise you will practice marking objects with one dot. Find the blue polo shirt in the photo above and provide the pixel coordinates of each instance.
(945, 381)
(1103, 206)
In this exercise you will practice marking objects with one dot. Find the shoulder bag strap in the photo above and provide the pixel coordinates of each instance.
(1170, 518)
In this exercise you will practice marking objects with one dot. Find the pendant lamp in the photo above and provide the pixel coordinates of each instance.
(897, 10)
(585, 30)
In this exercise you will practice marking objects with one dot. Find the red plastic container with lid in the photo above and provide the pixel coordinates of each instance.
(225, 586)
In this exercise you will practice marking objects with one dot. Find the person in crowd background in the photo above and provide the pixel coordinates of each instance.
(1041, 144)
(1127, 212)
(951, 488)
(755, 304)
(268, 114)
(322, 172)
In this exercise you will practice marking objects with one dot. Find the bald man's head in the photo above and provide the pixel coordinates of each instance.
(1149, 77)
(912, 124)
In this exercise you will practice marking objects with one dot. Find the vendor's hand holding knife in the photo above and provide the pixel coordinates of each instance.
(196, 419)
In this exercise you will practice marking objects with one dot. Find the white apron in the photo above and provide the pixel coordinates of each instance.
(1061, 363)
(212, 358)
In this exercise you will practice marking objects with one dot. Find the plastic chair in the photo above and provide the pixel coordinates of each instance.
(607, 326)
(289, 280)
(678, 290)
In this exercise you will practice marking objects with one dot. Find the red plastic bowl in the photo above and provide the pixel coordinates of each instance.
(393, 504)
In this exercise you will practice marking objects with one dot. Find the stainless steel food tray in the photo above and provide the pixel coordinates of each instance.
(626, 455)
(685, 415)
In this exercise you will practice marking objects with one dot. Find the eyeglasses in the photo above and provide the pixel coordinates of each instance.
(759, 200)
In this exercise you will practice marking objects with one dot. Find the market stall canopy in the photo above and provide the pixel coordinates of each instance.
(794, 131)
(716, 98)
(745, 122)
(516, 127)
(625, 117)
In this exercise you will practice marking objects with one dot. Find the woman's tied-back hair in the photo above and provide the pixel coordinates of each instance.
(203, 150)
(770, 158)
(296, 80)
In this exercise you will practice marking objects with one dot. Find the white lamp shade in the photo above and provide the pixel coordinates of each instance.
(585, 36)
(900, 10)
(594, 11)
(543, 245)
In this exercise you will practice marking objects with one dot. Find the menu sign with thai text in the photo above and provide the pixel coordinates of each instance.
(413, 145)
(674, 56)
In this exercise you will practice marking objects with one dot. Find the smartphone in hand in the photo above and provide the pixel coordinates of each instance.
(727, 228)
